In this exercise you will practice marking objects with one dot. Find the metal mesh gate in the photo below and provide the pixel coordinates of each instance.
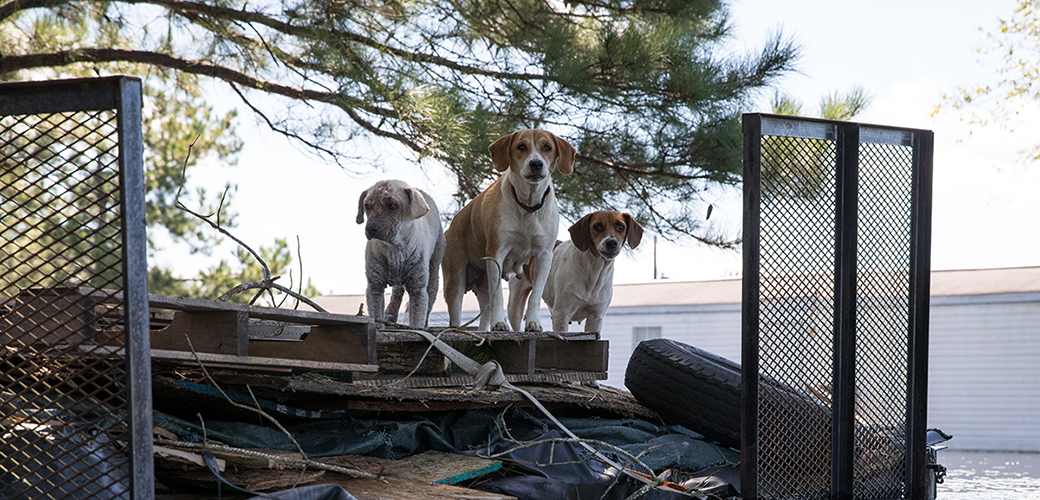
(835, 309)
(75, 405)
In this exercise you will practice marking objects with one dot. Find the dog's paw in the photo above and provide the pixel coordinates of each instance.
(532, 326)
(500, 326)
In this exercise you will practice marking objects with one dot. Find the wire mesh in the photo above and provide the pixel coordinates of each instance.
(63, 404)
(832, 238)
(882, 316)
(796, 315)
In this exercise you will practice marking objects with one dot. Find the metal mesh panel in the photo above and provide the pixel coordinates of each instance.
(796, 315)
(835, 330)
(882, 315)
(63, 383)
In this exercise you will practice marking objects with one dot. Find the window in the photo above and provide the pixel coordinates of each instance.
(641, 333)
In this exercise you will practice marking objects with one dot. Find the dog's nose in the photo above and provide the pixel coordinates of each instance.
(611, 245)
(371, 230)
(536, 165)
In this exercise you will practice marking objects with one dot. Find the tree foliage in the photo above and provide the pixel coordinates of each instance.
(799, 167)
(180, 131)
(1017, 83)
(649, 91)
(222, 277)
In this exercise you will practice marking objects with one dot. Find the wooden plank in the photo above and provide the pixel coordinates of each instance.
(216, 332)
(400, 358)
(475, 336)
(582, 355)
(48, 316)
(274, 313)
(328, 395)
(540, 377)
(259, 362)
(515, 357)
(430, 466)
(329, 343)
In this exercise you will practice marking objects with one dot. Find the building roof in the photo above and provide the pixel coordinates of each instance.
(684, 293)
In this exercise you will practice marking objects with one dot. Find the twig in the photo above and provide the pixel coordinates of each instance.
(203, 424)
(239, 405)
(263, 265)
(184, 170)
(269, 284)
(265, 284)
(299, 257)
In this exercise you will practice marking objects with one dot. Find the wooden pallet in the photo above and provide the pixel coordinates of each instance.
(524, 357)
(225, 334)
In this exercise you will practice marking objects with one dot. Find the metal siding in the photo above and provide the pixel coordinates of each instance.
(983, 374)
(983, 366)
(710, 328)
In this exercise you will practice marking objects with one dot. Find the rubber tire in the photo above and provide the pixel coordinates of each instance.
(688, 386)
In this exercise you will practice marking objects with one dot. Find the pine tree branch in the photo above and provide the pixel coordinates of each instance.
(307, 32)
(622, 167)
(12, 63)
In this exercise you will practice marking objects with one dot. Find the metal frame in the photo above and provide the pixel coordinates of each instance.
(847, 138)
(123, 95)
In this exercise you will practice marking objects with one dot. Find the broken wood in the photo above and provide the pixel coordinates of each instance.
(305, 393)
(170, 458)
(542, 376)
(430, 466)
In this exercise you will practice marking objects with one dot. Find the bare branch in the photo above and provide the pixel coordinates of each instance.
(269, 284)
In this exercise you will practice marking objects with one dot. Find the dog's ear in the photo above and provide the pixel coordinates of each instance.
(500, 152)
(417, 206)
(361, 207)
(580, 233)
(565, 156)
(635, 231)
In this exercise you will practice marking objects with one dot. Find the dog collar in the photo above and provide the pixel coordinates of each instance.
(533, 209)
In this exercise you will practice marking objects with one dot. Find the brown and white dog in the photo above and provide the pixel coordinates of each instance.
(405, 247)
(513, 220)
(581, 280)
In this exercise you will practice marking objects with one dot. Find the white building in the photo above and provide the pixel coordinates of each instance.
(984, 364)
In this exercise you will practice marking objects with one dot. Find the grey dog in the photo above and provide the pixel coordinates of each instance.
(405, 247)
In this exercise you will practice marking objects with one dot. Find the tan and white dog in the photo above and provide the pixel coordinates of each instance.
(513, 220)
(405, 247)
(581, 280)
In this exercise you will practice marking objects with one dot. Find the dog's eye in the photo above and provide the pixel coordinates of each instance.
(546, 148)
(597, 227)
(522, 147)
(391, 206)
(620, 228)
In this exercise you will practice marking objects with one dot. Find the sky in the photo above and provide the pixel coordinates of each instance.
(906, 54)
